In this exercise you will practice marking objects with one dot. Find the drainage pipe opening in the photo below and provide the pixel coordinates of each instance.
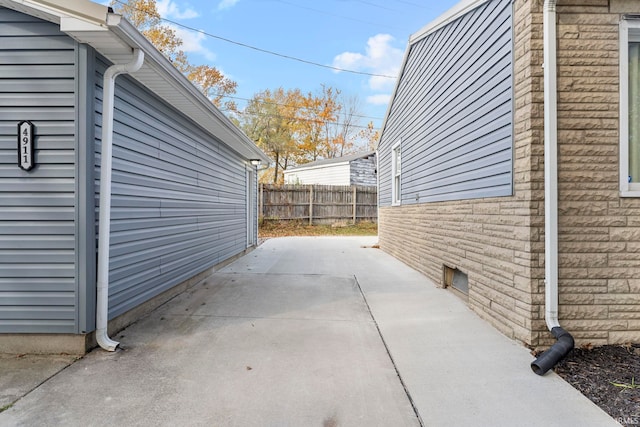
(556, 352)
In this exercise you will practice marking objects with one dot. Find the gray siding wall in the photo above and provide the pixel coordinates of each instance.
(452, 112)
(179, 202)
(363, 171)
(38, 82)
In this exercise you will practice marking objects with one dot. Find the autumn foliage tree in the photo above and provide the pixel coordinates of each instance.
(144, 15)
(270, 119)
(295, 128)
(370, 135)
(291, 127)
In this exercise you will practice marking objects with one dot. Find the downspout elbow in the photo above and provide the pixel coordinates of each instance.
(556, 352)
(104, 226)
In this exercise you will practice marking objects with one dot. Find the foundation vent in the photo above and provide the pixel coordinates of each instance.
(455, 278)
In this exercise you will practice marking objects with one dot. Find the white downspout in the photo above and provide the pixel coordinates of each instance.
(565, 342)
(108, 91)
(550, 166)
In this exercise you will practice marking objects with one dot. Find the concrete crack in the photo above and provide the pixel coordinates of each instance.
(393, 362)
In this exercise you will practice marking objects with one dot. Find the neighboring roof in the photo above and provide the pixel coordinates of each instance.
(115, 38)
(334, 161)
(458, 10)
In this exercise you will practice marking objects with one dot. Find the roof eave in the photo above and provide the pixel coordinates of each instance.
(393, 95)
(221, 125)
(460, 9)
(53, 10)
(327, 165)
(114, 38)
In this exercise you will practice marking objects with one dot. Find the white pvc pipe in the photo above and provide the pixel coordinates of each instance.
(550, 166)
(108, 91)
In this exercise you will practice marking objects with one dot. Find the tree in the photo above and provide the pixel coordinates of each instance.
(270, 119)
(345, 137)
(213, 84)
(318, 114)
(370, 135)
(295, 129)
(144, 15)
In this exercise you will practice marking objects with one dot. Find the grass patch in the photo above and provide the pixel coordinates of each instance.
(5, 407)
(274, 228)
(627, 385)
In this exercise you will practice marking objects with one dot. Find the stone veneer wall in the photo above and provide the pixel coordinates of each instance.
(599, 232)
(499, 242)
(495, 241)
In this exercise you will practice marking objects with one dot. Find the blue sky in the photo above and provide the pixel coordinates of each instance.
(361, 35)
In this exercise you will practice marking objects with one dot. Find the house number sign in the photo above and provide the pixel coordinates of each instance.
(25, 145)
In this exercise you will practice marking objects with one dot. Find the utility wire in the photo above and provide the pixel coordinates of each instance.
(290, 105)
(368, 3)
(300, 119)
(270, 52)
(338, 16)
(293, 58)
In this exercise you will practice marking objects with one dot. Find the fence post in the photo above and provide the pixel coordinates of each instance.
(311, 205)
(355, 203)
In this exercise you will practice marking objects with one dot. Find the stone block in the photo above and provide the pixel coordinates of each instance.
(591, 326)
(601, 18)
(622, 337)
(589, 312)
(625, 234)
(618, 286)
(617, 299)
(567, 299)
(624, 6)
(582, 260)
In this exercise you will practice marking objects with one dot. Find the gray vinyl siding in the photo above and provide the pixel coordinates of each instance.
(363, 171)
(38, 82)
(452, 112)
(179, 202)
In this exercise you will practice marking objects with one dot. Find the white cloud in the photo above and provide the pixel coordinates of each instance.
(169, 9)
(380, 57)
(227, 4)
(379, 99)
(192, 42)
(349, 60)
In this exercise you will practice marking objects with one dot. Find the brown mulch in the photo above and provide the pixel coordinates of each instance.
(609, 376)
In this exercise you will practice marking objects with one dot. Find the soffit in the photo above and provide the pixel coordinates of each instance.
(115, 38)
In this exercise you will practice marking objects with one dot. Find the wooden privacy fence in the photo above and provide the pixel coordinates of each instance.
(318, 204)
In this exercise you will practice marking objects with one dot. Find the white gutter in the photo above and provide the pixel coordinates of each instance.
(102, 305)
(550, 166)
(199, 107)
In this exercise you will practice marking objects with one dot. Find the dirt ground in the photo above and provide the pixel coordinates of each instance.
(609, 376)
(274, 228)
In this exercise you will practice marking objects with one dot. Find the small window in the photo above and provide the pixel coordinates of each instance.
(396, 172)
(630, 108)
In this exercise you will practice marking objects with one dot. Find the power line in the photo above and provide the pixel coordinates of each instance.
(293, 58)
(300, 119)
(412, 4)
(368, 3)
(291, 105)
(339, 16)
